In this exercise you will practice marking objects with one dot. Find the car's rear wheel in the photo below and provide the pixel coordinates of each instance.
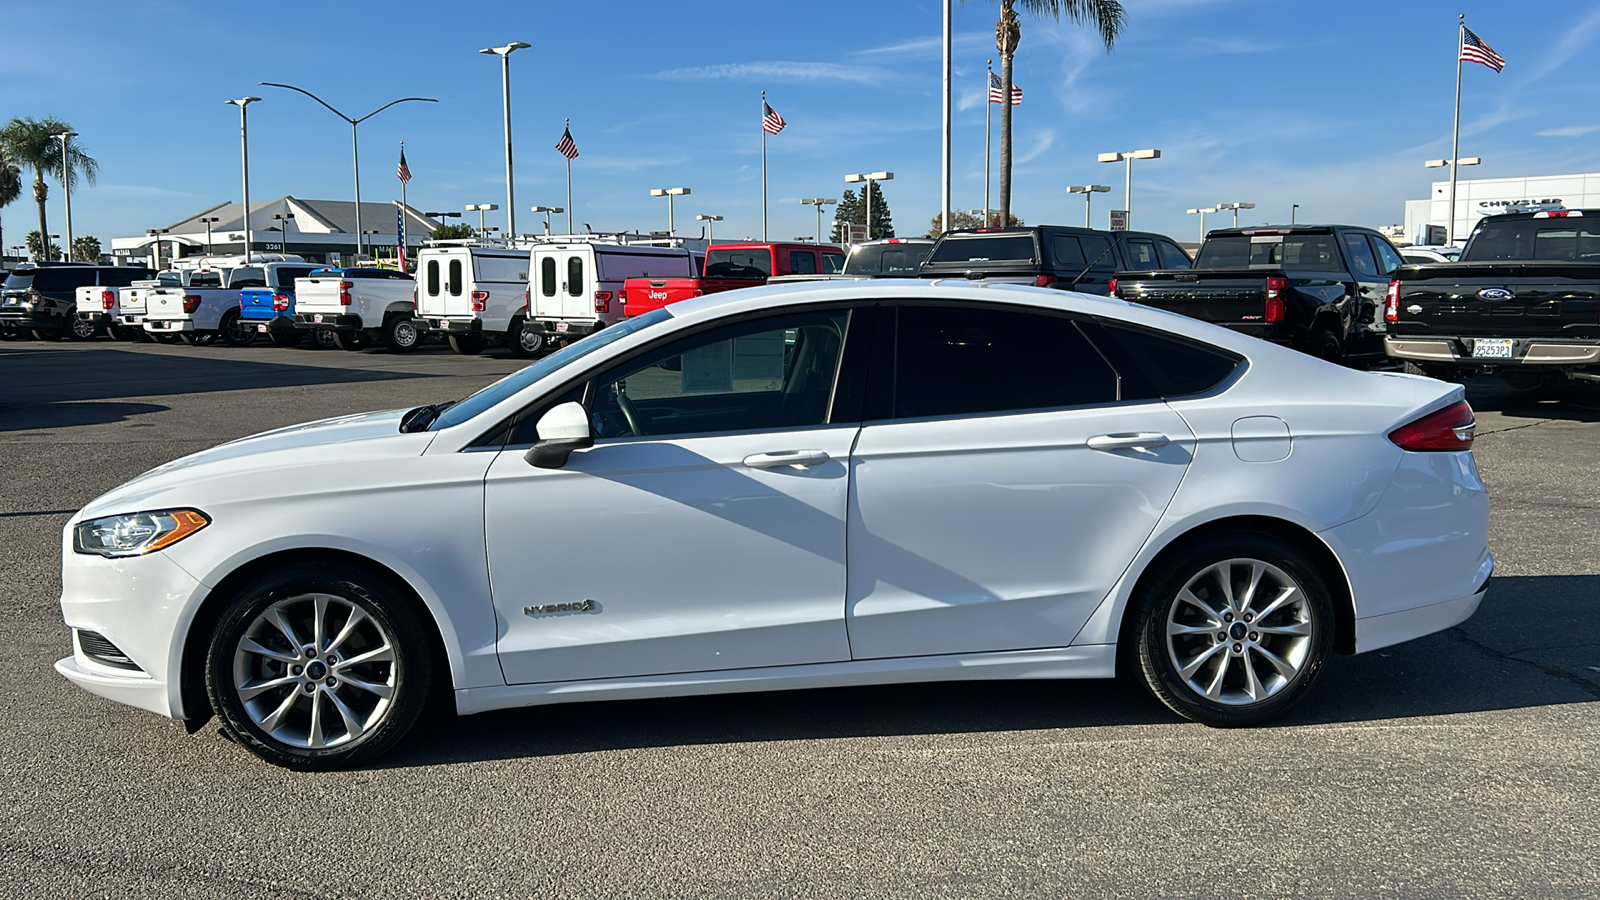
(1233, 630)
(467, 344)
(316, 667)
(1325, 346)
(523, 340)
(401, 335)
(235, 331)
(123, 333)
(81, 329)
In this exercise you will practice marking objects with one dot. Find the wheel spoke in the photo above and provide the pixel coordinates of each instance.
(352, 724)
(1298, 629)
(377, 654)
(275, 616)
(1175, 629)
(1289, 591)
(270, 723)
(1188, 596)
(319, 620)
(1224, 575)
(1194, 665)
(1283, 667)
(356, 618)
(1256, 571)
(252, 691)
(317, 738)
(382, 690)
(1252, 683)
(250, 645)
(1214, 689)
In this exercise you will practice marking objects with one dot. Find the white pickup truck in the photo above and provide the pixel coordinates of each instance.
(474, 294)
(207, 305)
(360, 306)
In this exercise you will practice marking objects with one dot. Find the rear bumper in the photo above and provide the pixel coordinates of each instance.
(334, 321)
(1524, 351)
(559, 328)
(97, 316)
(274, 325)
(130, 319)
(453, 326)
(168, 326)
(43, 321)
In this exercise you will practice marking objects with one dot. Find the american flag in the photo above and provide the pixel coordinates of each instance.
(400, 216)
(770, 120)
(565, 146)
(404, 171)
(1473, 49)
(994, 91)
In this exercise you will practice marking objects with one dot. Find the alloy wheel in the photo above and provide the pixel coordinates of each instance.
(1240, 631)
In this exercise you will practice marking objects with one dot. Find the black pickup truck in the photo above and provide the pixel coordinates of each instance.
(1055, 256)
(1522, 302)
(1317, 288)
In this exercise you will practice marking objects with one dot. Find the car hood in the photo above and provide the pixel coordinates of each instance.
(268, 450)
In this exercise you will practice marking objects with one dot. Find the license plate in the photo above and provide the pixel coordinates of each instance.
(317, 317)
(1497, 348)
(562, 326)
(261, 328)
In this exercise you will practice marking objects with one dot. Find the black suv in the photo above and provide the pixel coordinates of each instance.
(40, 297)
(1058, 256)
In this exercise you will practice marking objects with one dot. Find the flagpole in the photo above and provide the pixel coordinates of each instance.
(988, 115)
(763, 165)
(568, 130)
(944, 207)
(403, 208)
(1455, 137)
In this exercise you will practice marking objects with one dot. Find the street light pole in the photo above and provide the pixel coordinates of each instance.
(66, 185)
(208, 220)
(505, 95)
(1294, 210)
(869, 178)
(355, 148)
(547, 210)
(244, 164)
(1235, 207)
(481, 208)
(1209, 209)
(1128, 157)
(1087, 190)
(1454, 164)
(820, 202)
(669, 193)
(711, 226)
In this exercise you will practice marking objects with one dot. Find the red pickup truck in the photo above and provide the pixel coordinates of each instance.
(729, 267)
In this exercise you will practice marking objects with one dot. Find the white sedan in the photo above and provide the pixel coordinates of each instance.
(792, 487)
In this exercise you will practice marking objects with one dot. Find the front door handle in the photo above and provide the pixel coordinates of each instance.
(780, 458)
(1143, 440)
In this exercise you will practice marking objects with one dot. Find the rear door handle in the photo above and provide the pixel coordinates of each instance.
(780, 458)
(1143, 440)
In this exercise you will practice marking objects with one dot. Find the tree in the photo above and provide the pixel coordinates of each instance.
(37, 252)
(962, 219)
(10, 188)
(1105, 16)
(453, 232)
(86, 248)
(34, 143)
(852, 210)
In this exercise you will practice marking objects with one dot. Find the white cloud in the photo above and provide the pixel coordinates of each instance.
(1569, 131)
(779, 71)
(1042, 142)
(1573, 39)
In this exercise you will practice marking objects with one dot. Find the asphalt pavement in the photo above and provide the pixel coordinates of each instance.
(1462, 764)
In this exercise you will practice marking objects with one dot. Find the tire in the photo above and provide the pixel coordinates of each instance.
(285, 723)
(351, 340)
(235, 334)
(1257, 674)
(467, 344)
(318, 339)
(81, 329)
(123, 333)
(400, 334)
(524, 342)
(286, 340)
(162, 338)
(1324, 345)
(197, 338)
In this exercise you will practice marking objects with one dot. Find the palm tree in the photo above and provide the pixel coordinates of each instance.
(1105, 15)
(10, 189)
(34, 143)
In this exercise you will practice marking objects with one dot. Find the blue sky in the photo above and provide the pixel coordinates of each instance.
(1330, 105)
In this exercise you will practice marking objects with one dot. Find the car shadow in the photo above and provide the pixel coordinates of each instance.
(1571, 401)
(24, 417)
(1531, 644)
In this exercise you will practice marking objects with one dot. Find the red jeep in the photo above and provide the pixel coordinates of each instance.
(732, 266)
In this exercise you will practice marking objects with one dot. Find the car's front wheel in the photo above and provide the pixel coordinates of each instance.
(1233, 630)
(314, 667)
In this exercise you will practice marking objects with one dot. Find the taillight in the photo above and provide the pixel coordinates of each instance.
(1276, 285)
(480, 301)
(1113, 287)
(527, 299)
(191, 302)
(1443, 431)
(344, 293)
(280, 302)
(698, 293)
(108, 299)
(602, 301)
(622, 296)
(1391, 303)
(34, 297)
(1043, 280)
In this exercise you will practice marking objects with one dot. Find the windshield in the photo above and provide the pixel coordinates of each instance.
(1565, 239)
(887, 259)
(985, 248)
(1303, 250)
(516, 381)
(740, 262)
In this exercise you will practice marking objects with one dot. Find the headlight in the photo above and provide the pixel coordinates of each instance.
(137, 533)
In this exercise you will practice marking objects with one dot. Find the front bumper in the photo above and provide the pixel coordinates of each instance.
(1524, 351)
(333, 321)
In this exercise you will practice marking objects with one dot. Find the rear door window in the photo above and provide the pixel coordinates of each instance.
(1097, 250)
(965, 361)
(575, 275)
(1068, 251)
(453, 282)
(547, 276)
(739, 262)
(833, 263)
(1388, 257)
(1359, 252)
(433, 278)
(1172, 256)
(802, 262)
(1142, 255)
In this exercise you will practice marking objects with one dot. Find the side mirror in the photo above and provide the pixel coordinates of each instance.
(563, 429)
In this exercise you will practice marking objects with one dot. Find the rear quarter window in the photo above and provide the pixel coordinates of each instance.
(622, 266)
(501, 268)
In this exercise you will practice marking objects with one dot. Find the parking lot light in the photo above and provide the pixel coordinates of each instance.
(1202, 211)
(819, 203)
(480, 209)
(244, 164)
(547, 210)
(1128, 157)
(669, 193)
(1235, 207)
(711, 225)
(869, 178)
(505, 99)
(1087, 190)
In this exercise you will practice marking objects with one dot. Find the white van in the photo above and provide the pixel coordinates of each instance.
(473, 294)
(577, 282)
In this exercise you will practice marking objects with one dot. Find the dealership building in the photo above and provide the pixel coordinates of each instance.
(320, 231)
(1479, 197)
